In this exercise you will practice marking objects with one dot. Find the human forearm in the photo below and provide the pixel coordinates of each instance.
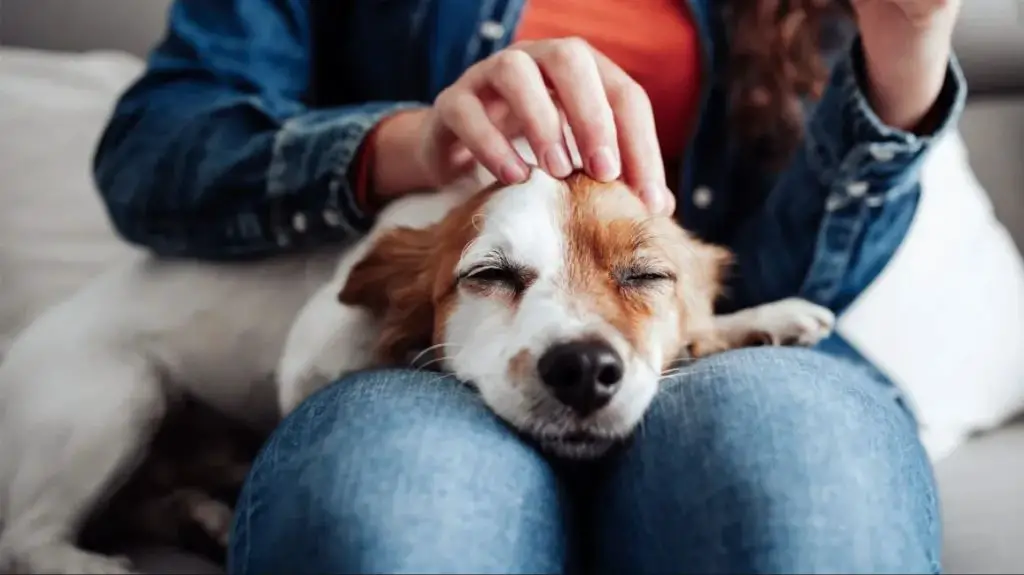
(903, 90)
(907, 46)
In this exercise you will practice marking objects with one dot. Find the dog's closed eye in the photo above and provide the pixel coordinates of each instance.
(638, 277)
(497, 271)
(493, 274)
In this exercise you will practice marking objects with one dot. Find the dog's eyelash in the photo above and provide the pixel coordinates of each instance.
(649, 276)
(638, 277)
(489, 273)
(503, 274)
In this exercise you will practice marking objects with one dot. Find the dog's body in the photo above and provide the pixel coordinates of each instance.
(84, 388)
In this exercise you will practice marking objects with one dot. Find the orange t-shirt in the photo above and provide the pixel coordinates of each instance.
(654, 41)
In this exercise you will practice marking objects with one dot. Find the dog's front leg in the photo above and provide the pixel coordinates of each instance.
(791, 321)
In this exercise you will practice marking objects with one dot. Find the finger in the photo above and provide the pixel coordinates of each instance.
(643, 168)
(570, 67)
(462, 112)
(502, 117)
(515, 77)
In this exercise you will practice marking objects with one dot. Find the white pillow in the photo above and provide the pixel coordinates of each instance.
(54, 233)
(945, 319)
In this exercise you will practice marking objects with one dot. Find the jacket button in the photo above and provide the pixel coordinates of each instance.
(702, 197)
(492, 30)
(857, 189)
(881, 152)
(332, 218)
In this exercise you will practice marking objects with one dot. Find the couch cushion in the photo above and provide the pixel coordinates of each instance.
(54, 234)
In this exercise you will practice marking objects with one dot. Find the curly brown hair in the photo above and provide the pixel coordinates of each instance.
(775, 61)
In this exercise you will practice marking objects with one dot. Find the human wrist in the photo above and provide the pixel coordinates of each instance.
(396, 166)
(904, 75)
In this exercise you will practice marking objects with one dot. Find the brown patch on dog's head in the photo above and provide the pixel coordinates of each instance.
(613, 242)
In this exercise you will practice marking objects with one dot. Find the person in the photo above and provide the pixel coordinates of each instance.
(791, 132)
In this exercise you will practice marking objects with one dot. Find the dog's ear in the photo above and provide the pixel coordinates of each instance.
(395, 259)
(395, 282)
(707, 264)
(704, 266)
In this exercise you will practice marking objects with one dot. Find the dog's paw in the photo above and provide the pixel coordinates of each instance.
(65, 559)
(792, 321)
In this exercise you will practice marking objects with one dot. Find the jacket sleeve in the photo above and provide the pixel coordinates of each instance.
(838, 213)
(212, 153)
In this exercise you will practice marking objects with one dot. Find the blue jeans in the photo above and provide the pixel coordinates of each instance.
(764, 460)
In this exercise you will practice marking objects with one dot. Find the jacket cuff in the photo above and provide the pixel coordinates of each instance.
(316, 153)
(851, 147)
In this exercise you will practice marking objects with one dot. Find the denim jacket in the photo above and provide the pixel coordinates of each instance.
(239, 138)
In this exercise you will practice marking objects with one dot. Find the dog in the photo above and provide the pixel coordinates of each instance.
(562, 301)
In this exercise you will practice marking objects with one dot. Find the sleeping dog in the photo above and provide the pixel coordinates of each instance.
(561, 301)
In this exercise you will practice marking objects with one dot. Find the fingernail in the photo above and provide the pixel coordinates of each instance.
(603, 165)
(558, 162)
(654, 196)
(513, 172)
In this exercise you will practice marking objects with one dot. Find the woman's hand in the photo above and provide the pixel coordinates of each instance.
(532, 89)
(907, 45)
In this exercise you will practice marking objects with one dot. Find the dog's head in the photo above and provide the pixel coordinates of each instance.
(561, 301)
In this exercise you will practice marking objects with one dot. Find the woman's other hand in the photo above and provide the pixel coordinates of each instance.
(532, 89)
(907, 45)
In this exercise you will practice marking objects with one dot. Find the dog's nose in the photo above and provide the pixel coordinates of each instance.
(584, 375)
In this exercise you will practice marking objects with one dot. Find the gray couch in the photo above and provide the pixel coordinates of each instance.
(983, 482)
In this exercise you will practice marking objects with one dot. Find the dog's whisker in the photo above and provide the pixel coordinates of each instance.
(427, 350)
(669, 374)
(441, 378)
(434, 361)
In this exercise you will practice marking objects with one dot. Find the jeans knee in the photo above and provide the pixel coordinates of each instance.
(788, 459)
(752, 404)
(396, 471)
